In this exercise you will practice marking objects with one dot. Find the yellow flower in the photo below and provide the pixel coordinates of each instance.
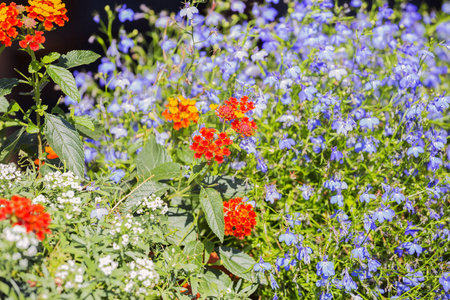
(213, 106)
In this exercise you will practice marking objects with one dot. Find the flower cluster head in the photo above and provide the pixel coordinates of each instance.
(9, 20)
(234, 108)
(244, 127)
(181, 111)
(48, 11)
(211, 144)
(240, 218)
(34, 41)
(20, 211)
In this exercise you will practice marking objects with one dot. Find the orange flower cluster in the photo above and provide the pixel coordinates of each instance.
(181, 111)
(48, 11)
(34, 41)
(8, 22)
(234, 109)
(211, 145)
(240, 218)
(20, 211)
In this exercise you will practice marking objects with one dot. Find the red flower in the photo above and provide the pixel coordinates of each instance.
(211, 145)
(48, 11)
(8, 23)
(234, 109)
(20, 211)
(33, 41)
(244, 126)
(240, 218)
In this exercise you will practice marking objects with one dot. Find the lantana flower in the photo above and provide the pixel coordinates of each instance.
(211, 144)
(48, 11)
(34, 41)
(181, 111)
(240, 218)
(8, 22)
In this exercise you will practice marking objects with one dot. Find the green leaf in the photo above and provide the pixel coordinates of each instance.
(240, 264)
(194, 249)
(34, 66)
(228, 186)
(10, 145)
(51, 57)
(65, 80)
(87, 132)
(145, 190)
(32, 128)
(185, 154)
(212, 205)
(4, 104)
(151, 156)
(180, 226)
(65, 141)
(85, 121)
(165, 171)
(77, 58)
(6, 85)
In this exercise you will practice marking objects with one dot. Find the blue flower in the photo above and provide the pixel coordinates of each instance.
(369, 122)
(99, 212)
(262, 266)
(125, 44)
(336, 155)
(373, 265)
(339, 199)
(273, 282)
(189, 11)
(413, 247)
(444, 280)
(248, 145)
(126, 14)
(415, 150)
(348, 282)
(237, 6)
(325, 268)
(272, 194)
(289, 238)
(383, 213)
(286, 143)
(117, 175)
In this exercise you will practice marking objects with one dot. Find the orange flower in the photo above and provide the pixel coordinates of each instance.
(33, 41)
(21, 212)
(48, 11)
(211, 145)
(181, 111)
(244, 126)
(8, 23)
(234, 109)
(50, 153)
(240, 218)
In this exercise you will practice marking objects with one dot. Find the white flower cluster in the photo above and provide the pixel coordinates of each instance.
(70, 274)
(26, 243)
(141, 277)
(152, 203)
(107, 265)
(58, 180)
(129, 224)
(9, 176)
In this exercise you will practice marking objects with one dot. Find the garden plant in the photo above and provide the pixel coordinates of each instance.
(229, 151)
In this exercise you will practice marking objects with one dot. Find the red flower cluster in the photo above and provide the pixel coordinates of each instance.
(244, 126)
(240, 218)
(20, 211)
(234, 109)
(33, 40)
(8, 22)
(211, 145)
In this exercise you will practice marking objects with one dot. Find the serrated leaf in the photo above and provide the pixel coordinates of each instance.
(185, 154)
(65, 80)
(85, 122)
(51, 57)
(34, 67)
(165, 171)
(240, 264)
(6, 85)
(4, 104)
(151, 156)
(65, 141)
(77, 58)
(212, 205)
(10, 145)
(87, 132)
(145, 190)
(228, 186)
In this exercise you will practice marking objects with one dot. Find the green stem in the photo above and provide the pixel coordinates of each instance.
(2, 48)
